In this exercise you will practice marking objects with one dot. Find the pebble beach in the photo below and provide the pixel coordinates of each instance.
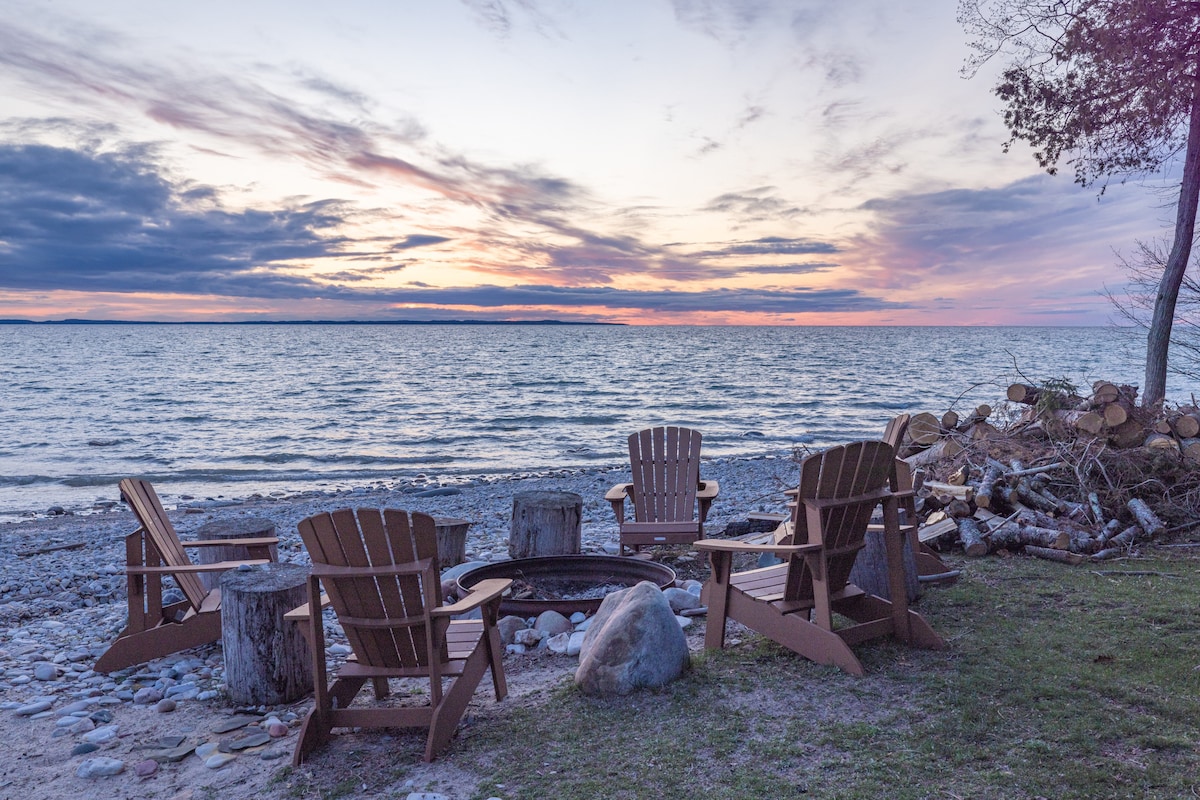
(165, 728)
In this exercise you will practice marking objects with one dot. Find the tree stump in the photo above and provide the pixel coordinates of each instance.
(267, 662)
(233, 528)
(546, 524)
(451, 541)
(870, 572)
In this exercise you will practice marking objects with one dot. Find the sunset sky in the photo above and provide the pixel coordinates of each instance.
(640, 161)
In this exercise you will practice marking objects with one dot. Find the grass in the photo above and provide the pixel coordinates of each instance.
(1059, 682)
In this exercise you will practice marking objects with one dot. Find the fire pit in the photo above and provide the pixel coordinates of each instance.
(566, 584)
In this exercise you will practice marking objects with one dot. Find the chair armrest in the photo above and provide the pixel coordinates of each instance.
(220, 566)
(301, 613)
(619, 492)
(616, 496)
(259, 542)
(482, 592)
(705, 496)
(734, 546)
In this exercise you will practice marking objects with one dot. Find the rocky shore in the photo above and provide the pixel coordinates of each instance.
(167, 729)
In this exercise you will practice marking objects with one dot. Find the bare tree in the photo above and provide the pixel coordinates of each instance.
(1113, 88)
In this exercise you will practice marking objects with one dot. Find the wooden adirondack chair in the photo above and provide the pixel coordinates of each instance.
(151, 552)
(793, 603)
(929, 563)
(665, 490)
(380, 572)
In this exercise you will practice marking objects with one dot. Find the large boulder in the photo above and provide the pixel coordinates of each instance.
(633, 641)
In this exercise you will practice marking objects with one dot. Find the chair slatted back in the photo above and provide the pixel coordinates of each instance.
(665, 462)
(160, 533)
(860, 469)
(370, 538)
(897, 426)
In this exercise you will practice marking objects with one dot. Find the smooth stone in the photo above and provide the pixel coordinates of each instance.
(100, 767)
(45, 672)
(277, 729)
(633, 642)
(33, 708)
(83, 726)
(684, 622)
(146, 696)
(168, 742)
(172, 754)
(144, 769)
(164, 706)
(218, 760)
(101, 716)
(551, 622)
(528, 637)
(233, 723)
(575, 643)
(693, 586)
(578, 617)
(515, 649)
(253, 740)
(101, 735)
(272, 754)
(508, 627)
(558, 643)
(83, 748)
(207, 749)
(681, 599)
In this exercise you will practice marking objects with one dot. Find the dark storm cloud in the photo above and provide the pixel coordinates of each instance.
(108, 221)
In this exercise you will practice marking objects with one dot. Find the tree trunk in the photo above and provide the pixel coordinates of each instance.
(267, 661)
(870, 570)
(1158, 340)
(232, 529)
(545, 524)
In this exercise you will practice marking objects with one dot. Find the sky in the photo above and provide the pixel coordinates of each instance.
(631, 161)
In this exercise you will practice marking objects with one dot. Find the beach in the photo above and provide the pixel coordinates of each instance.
(61, 605)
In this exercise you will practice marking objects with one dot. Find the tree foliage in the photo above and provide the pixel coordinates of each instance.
(1105, 85)
(1111, 87)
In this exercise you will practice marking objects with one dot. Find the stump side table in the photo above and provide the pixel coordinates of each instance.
(267, 661)
(232, 529)
(546, 524)
(451, 540)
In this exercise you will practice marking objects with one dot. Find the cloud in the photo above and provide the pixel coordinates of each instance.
(418, 240)
(1023, 248)
(110, 221)
(765, 301)
(754, 205)
(772, 245)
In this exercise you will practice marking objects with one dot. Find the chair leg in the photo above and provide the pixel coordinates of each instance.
(715, 595)
(313, 734)
(454, 703)
(167, 638)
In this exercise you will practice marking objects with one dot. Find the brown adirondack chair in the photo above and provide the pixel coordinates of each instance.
(380, 572)
(903, 482)
(665, 491)
(152, 552)
(793, 603)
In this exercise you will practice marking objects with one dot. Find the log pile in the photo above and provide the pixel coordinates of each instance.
(1067, 478)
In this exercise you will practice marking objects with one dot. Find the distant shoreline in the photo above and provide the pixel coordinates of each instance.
(305, 322)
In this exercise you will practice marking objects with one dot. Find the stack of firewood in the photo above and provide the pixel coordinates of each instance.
(988, 506)
(931, 439)
(1010, 507)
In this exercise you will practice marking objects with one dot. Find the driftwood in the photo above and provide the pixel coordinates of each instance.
(1061, 556)
(971, 535)
(1146, 518)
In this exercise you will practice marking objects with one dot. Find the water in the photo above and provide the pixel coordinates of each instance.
(228, 410)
